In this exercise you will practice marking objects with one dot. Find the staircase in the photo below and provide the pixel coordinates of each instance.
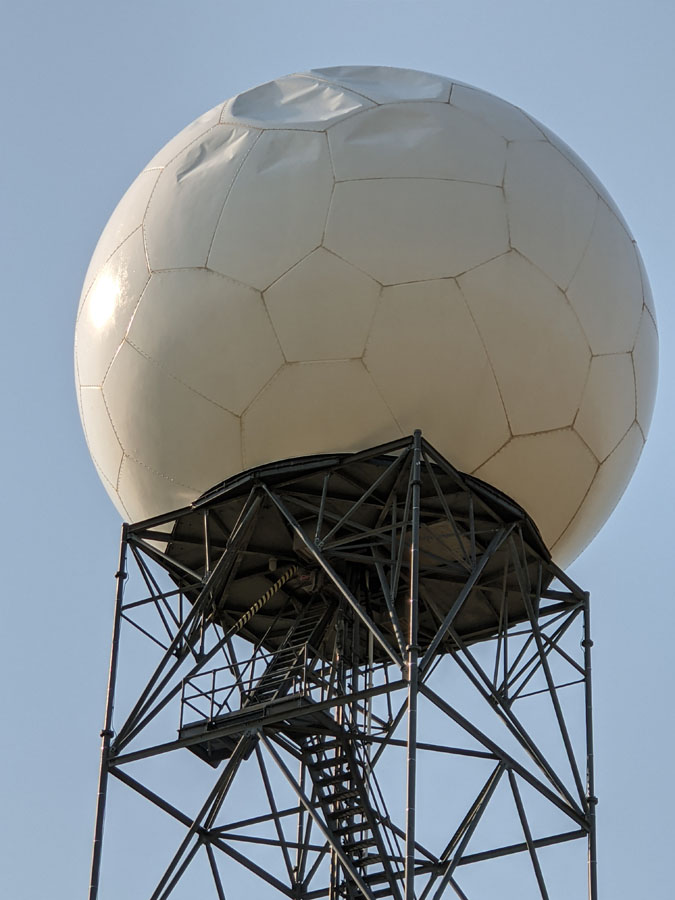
(351, 818)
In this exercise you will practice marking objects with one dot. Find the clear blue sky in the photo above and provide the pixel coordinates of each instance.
(89, 92)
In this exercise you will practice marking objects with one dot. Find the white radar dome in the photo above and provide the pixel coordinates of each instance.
(336, 258)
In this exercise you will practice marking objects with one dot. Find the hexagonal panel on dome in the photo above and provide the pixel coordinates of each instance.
(276, 211)
(184, 138)
(193, 442)
(107, 309)
(602, 497)
(104, 446)
(646, 363)
(322, 308)
(606, 291)
(293, 101)
(316, 407)
(427, 359)
(417, 140)
(501, 117)
(209, 332)
(551, 208)
(532, 338)
(186, 204)
(400, 230)
(384, 84)
(548, 474)
(608, 407)
(126, 218)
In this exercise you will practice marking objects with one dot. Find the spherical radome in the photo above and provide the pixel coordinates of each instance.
(339, 257)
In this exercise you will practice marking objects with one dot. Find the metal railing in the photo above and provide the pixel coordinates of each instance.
(225, 690)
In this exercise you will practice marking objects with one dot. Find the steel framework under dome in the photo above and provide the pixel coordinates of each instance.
(346, 634)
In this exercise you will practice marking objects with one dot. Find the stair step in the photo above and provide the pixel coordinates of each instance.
(336, 796)
(275, 677)
(351, 829)
(324, 746)
(360, 845)
(333, 779)
(330, 760)
(343, 814)
(370, 860)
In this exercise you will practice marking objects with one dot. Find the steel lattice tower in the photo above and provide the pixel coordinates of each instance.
(333, 629)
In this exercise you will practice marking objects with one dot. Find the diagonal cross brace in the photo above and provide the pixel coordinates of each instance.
(318, 556)
(490, 550)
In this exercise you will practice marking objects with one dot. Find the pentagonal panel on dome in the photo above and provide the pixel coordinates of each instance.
(646, 363)
(608, 407)
(126, 218)
(321, 308)
(186, 204)
(408, 229)
(107, 309)
(211, 333)
(503, 118)
(427, 359)
(294, 101)
(533, 339)
(168, 427)
(147, 493)
(604, 494)
(551, 208)
(103, 444)
(316, 407)
(606, 291)
(384, 84)
(416, 140)
(184, 138)
(275, 213)
(548, 474)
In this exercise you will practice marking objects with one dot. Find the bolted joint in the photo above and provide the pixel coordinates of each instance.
(587, 642)
(592, 800)
(121, 574)
(107, 732)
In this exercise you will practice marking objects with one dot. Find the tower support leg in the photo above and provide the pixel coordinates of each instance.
(107, 731)
(590, 775)
(412, 669)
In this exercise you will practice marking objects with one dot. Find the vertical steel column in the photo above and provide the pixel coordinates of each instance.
(412, 665)
(107, 732)
(587, 643)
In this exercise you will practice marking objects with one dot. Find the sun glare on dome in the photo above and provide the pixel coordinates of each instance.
(104, 299)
